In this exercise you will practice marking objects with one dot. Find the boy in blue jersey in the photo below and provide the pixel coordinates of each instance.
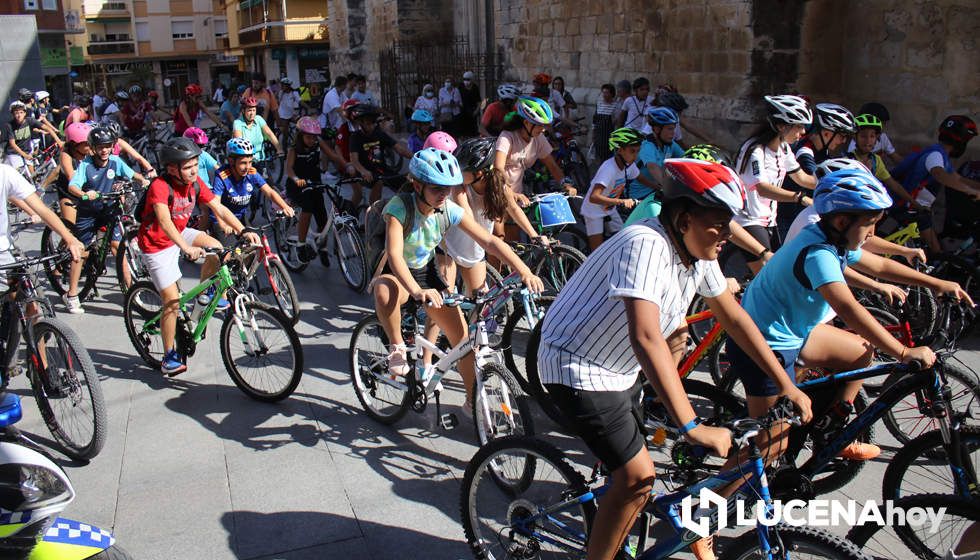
(658, 146)
(96, 175)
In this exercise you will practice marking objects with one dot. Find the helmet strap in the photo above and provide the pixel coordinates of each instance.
(676, 237)
(838, 238)
(525, 129)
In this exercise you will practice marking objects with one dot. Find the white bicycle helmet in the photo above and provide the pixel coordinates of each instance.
(788, 109)
(836, 164)
(508, 91)
(835, 118)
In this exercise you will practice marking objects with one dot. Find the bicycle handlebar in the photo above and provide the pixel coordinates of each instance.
(34, 261)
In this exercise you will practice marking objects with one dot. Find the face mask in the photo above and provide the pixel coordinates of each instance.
(429, 94)
(448, 85)
(467, 82)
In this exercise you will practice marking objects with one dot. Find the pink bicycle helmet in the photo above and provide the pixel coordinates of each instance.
(77, 133)
(308, 125)
(440, 141)
(197, 135)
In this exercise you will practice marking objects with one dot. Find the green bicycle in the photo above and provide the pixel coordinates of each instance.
(265, 359)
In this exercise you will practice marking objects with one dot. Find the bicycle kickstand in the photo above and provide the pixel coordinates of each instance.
(447, 421)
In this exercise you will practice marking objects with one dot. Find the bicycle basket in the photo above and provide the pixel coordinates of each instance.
(553, 211)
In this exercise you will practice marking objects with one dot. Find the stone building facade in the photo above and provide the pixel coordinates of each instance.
(920, 58)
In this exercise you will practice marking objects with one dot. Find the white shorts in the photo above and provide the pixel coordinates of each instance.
(164, 266)
(15, 161)
(596, 226)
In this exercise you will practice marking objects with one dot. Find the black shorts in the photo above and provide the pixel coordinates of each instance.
(755, 381)
(427, 277)
(768, 236)
(610, 422)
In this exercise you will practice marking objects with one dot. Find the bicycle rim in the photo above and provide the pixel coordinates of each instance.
(922, 466)
(505, 484)
(499, 409)
(381, 399)
(350, 253)
(71, 398)
(906, 421)
(142, 304)
(261, 352)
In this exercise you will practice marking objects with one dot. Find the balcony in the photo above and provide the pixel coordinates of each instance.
(111, 47)
(294, 29)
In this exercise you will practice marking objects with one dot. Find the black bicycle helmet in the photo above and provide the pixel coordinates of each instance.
(115, 128)
(363, 110)
(876, 109)
(84, 100)
(25, 95)
(476, 154)
(100, 136)
(179, 150)
(673, 100)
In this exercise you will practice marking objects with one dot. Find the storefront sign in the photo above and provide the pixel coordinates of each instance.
(118, 68)
(76, 56)
(54, 58)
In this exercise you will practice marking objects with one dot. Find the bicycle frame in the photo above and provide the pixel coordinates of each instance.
(708, 342)
(904, 235)
(222, 280)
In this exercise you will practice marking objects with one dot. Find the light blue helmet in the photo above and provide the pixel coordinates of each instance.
(662, 116)
(436, 167)
(850, 190)
(239, 147)
(421, 115)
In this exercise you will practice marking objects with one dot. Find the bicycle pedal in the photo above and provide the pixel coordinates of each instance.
(448, 421)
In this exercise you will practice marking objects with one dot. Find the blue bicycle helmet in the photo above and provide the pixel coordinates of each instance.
(850, 190)
(436, 167)
(535, 111)
(239, 147)
(662, 116)
(421, 115)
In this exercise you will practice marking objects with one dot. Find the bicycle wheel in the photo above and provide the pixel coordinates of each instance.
(67, 390)
(719, 364)
(383, 400)
(274, 287)
(514, 341)
(557, 267)
(960, 513)
(261, 352)
(284, 230)
(500, 409)
(506, 484)
(800, 542)
(700, 329)
(906, 420)
(922, 465)
(129, 259)
(350, 254)
(57, 272)
(142, 303)
(572, 236)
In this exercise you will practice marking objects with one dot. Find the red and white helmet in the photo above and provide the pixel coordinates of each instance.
(441, 141)
(706, 183)
(197, 135)
(308, 125)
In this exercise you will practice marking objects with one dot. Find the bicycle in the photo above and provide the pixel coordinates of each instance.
(554, 263)
(539, 506)
(341, 227)
(128, 257)
(571, 235)
(58, 366)
(499, 408)
(273, 287)
(149, 142)
(254, 337)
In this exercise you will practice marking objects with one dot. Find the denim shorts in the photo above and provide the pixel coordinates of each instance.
(754, 379)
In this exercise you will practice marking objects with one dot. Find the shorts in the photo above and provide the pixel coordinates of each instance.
(768, 236)
(597, 226)
(610, 422)
(755, 381)
(6, 257)
(427, 277)
(15, 161)
(310, 202)
(164, 266)
(86, 226)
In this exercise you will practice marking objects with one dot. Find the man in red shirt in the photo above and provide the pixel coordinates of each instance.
(164, 234)
(493, 116)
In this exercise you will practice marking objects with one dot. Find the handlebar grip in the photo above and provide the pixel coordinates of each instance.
(916, 365)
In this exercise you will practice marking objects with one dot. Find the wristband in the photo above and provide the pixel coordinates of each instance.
(799, 197)
(762, 253)
(690, 426)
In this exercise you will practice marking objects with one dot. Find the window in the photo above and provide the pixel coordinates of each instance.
(49, 4)
(30, 4)
(142, 31)
(220, 28)
(182, 29)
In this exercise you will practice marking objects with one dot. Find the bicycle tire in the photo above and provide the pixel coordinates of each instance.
(137, 309)
(557, 266)
(537, 455)
(130, 256)
(572, 236)
(73, 388)
(278, 325)
(794, 539)
(367, 365)
(966, 509)
(353, 267)
(514, 336)
(501, 393)
(924, 459)
(57, 272)
(718, 362)
(968, 394)
(279, 292)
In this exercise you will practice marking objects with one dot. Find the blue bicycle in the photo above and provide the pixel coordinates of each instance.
(522, 498)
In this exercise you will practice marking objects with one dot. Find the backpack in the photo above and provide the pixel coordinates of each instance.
(375, 230)
(140, 207)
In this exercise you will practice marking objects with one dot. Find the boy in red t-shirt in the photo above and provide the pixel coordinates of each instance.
(163, 234)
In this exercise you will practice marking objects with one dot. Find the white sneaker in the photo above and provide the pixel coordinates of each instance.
(398, 360)
(74, 305)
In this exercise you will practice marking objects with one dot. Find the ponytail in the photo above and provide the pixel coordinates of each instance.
(495, 194)
(512, 121)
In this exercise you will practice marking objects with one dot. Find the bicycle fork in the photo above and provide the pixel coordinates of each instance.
(253, 348)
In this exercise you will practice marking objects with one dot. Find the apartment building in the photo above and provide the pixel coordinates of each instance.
(162, 44)
(50, 36)
(281, 38)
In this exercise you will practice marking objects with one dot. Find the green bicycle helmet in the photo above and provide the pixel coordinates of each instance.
(535, 111)
(624, 137)
(867, 120)
(707, 152)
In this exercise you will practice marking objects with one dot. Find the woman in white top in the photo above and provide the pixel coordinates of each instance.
(428, 100)
(764, 161)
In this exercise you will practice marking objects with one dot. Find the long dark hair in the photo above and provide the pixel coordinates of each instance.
(762, 135)
(494, 194)
(512, 122)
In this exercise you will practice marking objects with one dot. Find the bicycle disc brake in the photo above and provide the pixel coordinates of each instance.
(185, 341)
